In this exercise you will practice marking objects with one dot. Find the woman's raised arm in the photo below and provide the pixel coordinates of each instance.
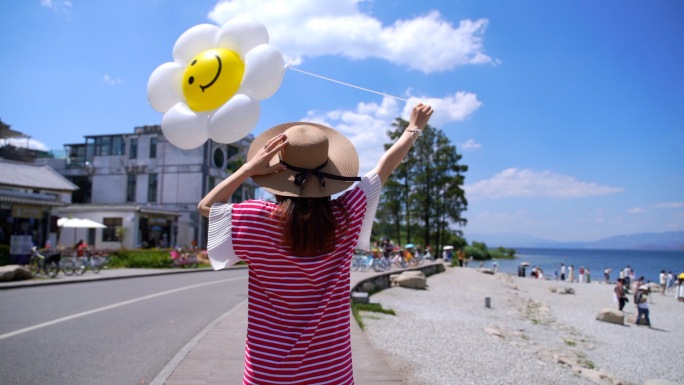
(391, 159)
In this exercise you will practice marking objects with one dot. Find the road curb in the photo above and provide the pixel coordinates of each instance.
(92, 278)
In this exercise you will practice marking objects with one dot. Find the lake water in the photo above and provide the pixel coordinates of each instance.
(645, 263)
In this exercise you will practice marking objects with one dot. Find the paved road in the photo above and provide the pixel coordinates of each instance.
(108, 332)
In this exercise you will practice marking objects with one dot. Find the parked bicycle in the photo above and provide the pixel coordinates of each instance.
(46, 264)
(86, 262)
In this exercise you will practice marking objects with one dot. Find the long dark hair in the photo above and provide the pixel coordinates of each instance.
(308, 224)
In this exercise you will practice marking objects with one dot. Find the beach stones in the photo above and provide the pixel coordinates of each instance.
(612, 316)
(409, 279)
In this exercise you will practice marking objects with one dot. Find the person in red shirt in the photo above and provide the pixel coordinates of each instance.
(299, 248)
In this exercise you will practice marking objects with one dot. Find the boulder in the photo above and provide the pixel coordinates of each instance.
(486, 271)
(611, 316)
(562, 290)
(409, 279)
(14, 273)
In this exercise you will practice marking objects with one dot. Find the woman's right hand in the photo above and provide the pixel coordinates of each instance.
(420, 115)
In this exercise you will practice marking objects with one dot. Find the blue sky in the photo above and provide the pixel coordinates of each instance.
(568, 113)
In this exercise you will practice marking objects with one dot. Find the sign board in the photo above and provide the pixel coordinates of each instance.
(20, 244)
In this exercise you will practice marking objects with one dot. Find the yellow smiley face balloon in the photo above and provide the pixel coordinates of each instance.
(211, 78)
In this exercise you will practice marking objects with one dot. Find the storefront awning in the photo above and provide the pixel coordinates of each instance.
(31, 201)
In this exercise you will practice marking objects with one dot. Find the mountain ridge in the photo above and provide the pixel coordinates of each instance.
(671, 240)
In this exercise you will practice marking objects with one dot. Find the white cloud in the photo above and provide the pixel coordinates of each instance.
(367, 125)
(514, 182)
(310, 28)
(26, 142)
(470, 144)
(106, 79)
(636, 210)
(669, 205)
(57, 6)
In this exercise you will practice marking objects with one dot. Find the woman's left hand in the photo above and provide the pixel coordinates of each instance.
(260, 163)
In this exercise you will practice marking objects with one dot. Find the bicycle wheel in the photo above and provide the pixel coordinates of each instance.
(413, 261)
(68, 267)
(34, 265)
(52, 269)
(355, 264)
(95, 265)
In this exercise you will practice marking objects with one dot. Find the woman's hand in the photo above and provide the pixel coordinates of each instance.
(420, 115)
(259, 164)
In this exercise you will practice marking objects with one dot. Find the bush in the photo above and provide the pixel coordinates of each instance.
(144, 258)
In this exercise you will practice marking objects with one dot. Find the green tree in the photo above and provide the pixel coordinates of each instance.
(424, 195)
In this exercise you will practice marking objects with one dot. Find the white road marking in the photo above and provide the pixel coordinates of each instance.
(113, 306)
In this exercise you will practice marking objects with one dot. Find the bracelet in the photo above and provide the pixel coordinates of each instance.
(414, 130)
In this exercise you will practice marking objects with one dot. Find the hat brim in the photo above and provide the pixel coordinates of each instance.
(343, 160)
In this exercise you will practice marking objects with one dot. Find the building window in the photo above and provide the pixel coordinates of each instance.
(110, 233)
(219, 158)
(153, 147)
(231, 151)
(134, 148)
(152, 188)
(108, 145)
(130, 189)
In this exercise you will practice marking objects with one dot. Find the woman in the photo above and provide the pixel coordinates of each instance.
(299, 249)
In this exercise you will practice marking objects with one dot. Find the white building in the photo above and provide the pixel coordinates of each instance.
(144, 189)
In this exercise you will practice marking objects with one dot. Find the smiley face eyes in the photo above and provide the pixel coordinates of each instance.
(191, 79)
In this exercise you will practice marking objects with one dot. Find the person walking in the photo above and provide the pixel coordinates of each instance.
(562, 272)
(587, 275)
(606, 274)
(663, 281)
(299, 248)
(641, 301)
(571, 273)
(620, 294)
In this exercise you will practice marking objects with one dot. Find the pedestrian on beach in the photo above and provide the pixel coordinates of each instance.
(562, 272)
(670, 281)
(641, 302)
(581, 275)
(571, 273)
(555, 274)
(299, 248)
(620, 294)
(587, 274)
(626, 278)
(606, 274)
(663, 281)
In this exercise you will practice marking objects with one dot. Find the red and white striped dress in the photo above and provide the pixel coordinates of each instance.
(298, 327)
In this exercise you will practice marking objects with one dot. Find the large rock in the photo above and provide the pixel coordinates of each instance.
(14, 273)
(410, 279)
(611, 316)
(562, 290)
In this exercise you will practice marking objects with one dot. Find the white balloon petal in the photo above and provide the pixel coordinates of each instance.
(164, 88)
(264, 71)
(234, 120)
(185, 128)
(193, 41)
(242, 34)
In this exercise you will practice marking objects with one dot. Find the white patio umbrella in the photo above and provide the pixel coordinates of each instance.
(79, 223)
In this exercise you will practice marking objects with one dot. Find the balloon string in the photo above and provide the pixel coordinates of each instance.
(346, 84)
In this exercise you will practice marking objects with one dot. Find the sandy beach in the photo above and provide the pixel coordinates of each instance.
(530, 335)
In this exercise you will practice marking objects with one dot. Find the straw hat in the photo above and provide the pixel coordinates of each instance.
(320, 161)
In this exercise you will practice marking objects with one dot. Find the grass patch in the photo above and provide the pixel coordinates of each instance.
(570, 342)
(370, 307)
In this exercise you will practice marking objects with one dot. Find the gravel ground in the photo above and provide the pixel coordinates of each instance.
(530, 335)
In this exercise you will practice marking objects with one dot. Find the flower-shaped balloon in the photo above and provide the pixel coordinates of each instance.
(213, 87)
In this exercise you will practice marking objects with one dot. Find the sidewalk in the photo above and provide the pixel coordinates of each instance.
(216, 354)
